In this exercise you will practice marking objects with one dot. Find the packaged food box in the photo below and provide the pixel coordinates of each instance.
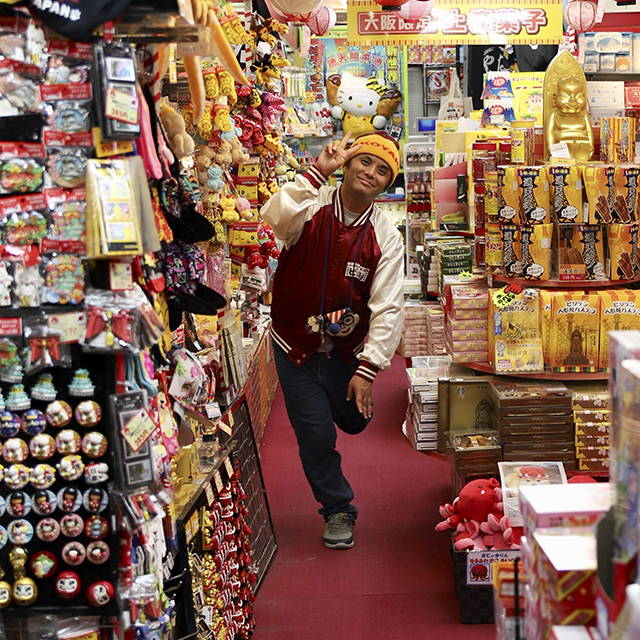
(592, 441)
(511, 251)
(478, 335)
(537, 257)
(469, 297)
(524, 440)
(566, 192)
(593, 428)
(469, 314)
(567, 458)
(575, 331)
(545, 320)
(526, 430)
(623, 250)
(590, 453)
(528, 393)
(593, 464)
(618, 141)
(467, 325)
(582, 252)
(563, 420)
(533, 446)
(592, 415)
(599, 188)
(469, 356)
(593, 395)
(533, 195)
(508, 194)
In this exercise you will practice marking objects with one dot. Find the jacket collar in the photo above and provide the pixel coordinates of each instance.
(339, 211)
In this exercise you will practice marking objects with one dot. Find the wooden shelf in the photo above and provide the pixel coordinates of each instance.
(564, 284)
(485, 367)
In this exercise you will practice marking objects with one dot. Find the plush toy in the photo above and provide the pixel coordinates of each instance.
(223, 154)
(263, 192)
(180, 141)
(215, 181)
(268, 244)
(362, 104)
(238, 154)
(477, 518)
(229, 213)
(243, 206)
(221, 116)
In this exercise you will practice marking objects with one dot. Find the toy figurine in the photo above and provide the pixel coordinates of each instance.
(43, 389)
(43, 564)
(566, 117)
(6, 593)
(94, 444)
(18, 400)
(42, 476)
(10, 366)
(25, 592)
(59, 413)
(98, 552)
(88, 413)
(42, 446)
(3, 405)
(100, 593)
(5, 285)
(81, 384)
(70, 467)
(68, 585)
(33, 422)
(96, 472)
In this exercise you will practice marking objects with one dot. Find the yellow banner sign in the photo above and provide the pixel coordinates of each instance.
(453, 22)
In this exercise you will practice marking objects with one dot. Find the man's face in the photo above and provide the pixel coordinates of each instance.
(366, 176)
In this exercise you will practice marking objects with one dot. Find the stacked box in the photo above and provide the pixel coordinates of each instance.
(435, 331)
(467, 323)
(592, 418)
(536, 421)
(421, 426)
(429, 268)
(453, 258)
(415, 332)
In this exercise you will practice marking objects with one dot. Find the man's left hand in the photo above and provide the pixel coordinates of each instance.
(361, 389)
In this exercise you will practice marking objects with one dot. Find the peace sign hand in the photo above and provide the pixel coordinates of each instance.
(335, 154)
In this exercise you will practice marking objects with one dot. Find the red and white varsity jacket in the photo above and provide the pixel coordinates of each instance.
(299, 215)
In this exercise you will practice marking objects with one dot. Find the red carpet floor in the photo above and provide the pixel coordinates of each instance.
(397, 582)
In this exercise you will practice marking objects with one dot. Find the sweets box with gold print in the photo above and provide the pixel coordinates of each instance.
(619, 311)
(574, 342)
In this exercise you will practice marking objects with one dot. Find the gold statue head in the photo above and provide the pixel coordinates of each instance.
(570, 96)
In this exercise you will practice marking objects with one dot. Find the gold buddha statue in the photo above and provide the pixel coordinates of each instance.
(566, 118)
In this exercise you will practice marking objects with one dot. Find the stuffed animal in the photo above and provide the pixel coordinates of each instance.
(223, 155)
(238, 154)
(477, 518)
(180, 141)
(362, 104)
(243, 206)
(229, 213)
(221, 116)
(214, 174)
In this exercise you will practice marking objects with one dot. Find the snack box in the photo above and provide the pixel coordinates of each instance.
(543, 429)
(469, 356)
(523, 419)
(593, 464)
(525, 448)
(566, 192)
(537, 257)
(592, 415)
(619, 311)
(468, 335)
(582, 252)
(599, 187)
(574, 632)
(594, 397)
(623, 249)
(464, 346)
(566, 505)
(469, 314)
(567, 458)
(592, 429)
(592, 441)
(553, 438)
(467, 325)
(527, 394)
(590, 453)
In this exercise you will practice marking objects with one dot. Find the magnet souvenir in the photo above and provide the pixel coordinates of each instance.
(94, 444)
(20, 531)
(6, 593)
(74, 553)
(88, 413)
(70, 467)
(18, 504)
(3, 506)
(81, 384)
(59, 413)
(68, 442)
(9, 424)
(42, 446)
(25, 592)
(96, 472)
(44, 502)
(15, 450)
(69, 499)
(72, 525)
(43, 564)
(48, 530)
(68, 222)
(100, 593)
(64, 280)
(98, 552)
(95, 500)
(28, 227)
(33, 422)
(70, 118)
(16, 476)
(96, 528)
(66, 167)
(17, 399)
(42, 476)
(67, 585)
(21, 175)
(4, 537)
(44, 388)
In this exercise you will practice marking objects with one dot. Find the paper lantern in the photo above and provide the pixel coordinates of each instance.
(415, 9)
(294, 10)
(323, 22)
(581, 15)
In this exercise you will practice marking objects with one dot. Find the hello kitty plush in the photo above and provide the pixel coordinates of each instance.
(5, 285)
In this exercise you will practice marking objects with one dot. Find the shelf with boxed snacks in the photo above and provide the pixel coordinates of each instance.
(485, 367)
(560, 284)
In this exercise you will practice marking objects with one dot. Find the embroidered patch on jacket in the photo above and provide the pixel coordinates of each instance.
(357, 271)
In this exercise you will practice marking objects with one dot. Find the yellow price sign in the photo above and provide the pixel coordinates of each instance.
(506, 296)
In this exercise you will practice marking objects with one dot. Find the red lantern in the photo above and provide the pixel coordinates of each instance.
(415, 9)
(581, 14)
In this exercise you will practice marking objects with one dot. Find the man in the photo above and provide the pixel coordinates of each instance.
(339, 280)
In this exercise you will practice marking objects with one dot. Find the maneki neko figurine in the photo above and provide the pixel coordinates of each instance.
(566, 118)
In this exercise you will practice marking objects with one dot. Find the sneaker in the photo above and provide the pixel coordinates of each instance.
(338, 531)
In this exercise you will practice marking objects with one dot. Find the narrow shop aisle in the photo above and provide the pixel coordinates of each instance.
(397, 581)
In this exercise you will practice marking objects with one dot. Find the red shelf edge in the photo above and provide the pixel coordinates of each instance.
(485, 367)
(565, 284)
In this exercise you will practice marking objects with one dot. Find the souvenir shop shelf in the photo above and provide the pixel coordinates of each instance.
(562, 284)
(486, 367)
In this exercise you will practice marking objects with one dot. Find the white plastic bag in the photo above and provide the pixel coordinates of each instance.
(453, 106)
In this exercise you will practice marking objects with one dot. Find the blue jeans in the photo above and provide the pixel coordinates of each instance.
(315, 395)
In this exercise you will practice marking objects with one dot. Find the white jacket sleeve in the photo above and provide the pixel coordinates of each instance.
(295, 204)
(386, 302)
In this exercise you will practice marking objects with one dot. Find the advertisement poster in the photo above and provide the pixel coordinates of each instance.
(451, 23)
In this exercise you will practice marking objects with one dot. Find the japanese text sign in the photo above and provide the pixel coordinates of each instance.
(451, 22)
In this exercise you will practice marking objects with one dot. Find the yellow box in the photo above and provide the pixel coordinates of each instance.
(533, 195)
(511, 251)
(599, 190)
(546, 299)
(574, 342)
(508, 195)
(536, 251)
(619, 311)
(625, 205)
(566, 193)
(623, 250)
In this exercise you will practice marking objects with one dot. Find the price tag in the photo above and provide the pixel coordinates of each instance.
(213, 410)
(207, 614)
(466, 275)
(120, 276)
(177, 336)
(208, 491)
(225, 427)
(218, 480)
(560, 150)
(111, 147)
(72, 326)
(506, 296)
(138, 430)
(232, 421)
(121, 106)
(228, 466)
